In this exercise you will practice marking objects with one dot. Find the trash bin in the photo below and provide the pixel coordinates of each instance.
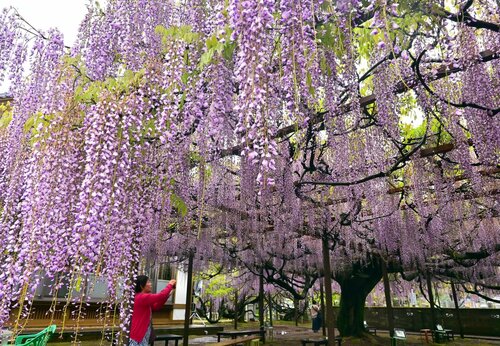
(5, 336)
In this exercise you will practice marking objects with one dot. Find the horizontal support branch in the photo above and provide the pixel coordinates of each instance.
(461, 177)
(365, 101)
(5, 99)
(462, 256)
(465, 17)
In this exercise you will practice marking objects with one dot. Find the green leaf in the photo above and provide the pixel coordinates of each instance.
(228, 50)
(30, 123)
(183, 32)
(309, 84)
(178, 204)
(436, 9)
(182, 101)
(78, 284)
(5, 118)
(212, 42)
(206, 58)
(194, 157)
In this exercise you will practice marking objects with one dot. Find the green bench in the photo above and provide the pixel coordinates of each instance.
(398, 335)
(440, 334)
(38, 339)
(371, 330)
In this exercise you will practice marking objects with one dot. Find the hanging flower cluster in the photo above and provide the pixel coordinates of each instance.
(244, 131)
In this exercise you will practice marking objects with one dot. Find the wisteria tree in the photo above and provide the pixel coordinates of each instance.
(339, 137)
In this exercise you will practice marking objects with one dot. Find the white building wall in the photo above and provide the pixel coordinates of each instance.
(180, 295)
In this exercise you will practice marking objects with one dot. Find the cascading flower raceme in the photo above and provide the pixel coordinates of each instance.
(247, 133)
(251, 24)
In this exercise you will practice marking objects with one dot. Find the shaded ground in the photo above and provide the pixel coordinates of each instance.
(293, 335)
(287, 334)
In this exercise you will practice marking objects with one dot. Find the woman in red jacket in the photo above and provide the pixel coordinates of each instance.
(144, 303)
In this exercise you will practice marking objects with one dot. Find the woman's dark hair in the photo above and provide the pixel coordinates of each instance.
(140, 283)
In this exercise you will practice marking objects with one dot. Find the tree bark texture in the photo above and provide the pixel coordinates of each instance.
(457, 309)
(356, 284)
(329, 322)
(431, 299)
(323, 327)
(388, 298)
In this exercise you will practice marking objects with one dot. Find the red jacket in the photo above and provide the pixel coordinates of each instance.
(144, 303)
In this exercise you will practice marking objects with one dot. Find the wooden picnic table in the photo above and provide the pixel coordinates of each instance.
(236, 341)
(320, 341)
(169, 337)
(233, 334)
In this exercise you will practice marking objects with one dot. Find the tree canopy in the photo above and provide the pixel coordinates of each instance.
(248, 131)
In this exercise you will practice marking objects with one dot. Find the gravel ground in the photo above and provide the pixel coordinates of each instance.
(290, 335)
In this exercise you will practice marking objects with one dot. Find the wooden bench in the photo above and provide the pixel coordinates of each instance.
(320, 341)
(247, 341)
(233, 334)
(169, 337)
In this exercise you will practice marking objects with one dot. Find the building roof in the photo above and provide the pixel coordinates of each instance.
(5, 97)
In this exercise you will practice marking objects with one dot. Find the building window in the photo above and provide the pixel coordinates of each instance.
(165, 272)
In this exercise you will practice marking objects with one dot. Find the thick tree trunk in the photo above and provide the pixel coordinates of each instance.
(356, 285)
(351, 314)
(296, 311)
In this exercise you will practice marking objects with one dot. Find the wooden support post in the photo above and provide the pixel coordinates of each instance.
(322, 303)
(235, 309)
(261, 304)
(388, 299)
(431, 299)
(189, 299)
(330, 323)
(270, 303)
(457, 309)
